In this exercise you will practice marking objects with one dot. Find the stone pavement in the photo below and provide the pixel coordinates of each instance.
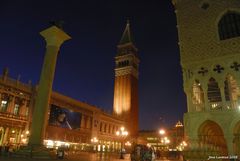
(83, 156)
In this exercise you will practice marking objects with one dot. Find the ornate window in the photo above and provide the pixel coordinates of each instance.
(197, 95)
(16, 109)
(4, 103)
(123, 63)
(214, 94)
(229, 26)
(16, 106)
(231, 90)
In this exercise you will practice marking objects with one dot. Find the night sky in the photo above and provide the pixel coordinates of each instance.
(85, 66)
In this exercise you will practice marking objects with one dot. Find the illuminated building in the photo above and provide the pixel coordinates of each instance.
(70, 122)
(209, 38)
(17, 101)
(125, 103)
(159, 140)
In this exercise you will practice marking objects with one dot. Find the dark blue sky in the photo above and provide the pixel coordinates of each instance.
(85, 67)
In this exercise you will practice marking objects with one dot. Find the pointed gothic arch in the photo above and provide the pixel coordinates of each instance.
(214, 94)
(232, 91)
(197, 96)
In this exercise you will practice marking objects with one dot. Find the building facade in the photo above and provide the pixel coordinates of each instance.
(70, 122)
(209, 38)
(171, 139)
(125, 104)
(89, 127)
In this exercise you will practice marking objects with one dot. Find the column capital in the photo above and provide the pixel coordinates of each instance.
(54, 36)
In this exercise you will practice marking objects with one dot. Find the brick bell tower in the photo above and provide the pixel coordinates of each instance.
(125, 103)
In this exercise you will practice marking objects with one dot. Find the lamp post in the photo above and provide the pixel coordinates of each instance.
(94, 142)
(164, 140)
(122, 134)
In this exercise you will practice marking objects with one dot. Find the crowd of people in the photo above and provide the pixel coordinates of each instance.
(144, 153)
(7, 149)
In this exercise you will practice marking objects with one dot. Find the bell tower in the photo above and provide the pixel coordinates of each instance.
(125, 103)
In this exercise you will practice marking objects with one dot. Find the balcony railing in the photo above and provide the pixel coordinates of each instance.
(16, 82)
(217, 106)
(12, 116)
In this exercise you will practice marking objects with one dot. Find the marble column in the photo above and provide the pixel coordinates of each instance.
(229, 140)
(205, 93)
(189, 100)
(82, 121)
(5, 137)
(22, 110)
(11, 104)
(221, 86)
(19, 136)
(2, 135)
(54, 37)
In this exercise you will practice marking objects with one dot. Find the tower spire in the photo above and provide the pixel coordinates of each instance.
(127, 36)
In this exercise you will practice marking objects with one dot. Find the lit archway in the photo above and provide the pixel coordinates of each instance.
(197, 96)
(232, 92)
(214, 94)
(211, 136)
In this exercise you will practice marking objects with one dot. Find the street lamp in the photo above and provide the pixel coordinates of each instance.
(162, 132)
(94, 142)
(123, 134)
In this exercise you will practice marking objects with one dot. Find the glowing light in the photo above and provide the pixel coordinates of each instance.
(184, 143)
(13, 131)
(67, 144)
(179, 124)
(117, 133)
(128, 143)
(162, 132)
(4, 102)
(99, 147)
(94, 140)
(122, 128)
(27, 132)
(24, 140)
(49, 143)
(167, 141)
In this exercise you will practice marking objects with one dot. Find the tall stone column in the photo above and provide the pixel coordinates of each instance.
(1, 135)
(221, 84)
(190, 105)
(205, 93)
(19, 133)
(11, 104)
(229, 140)
(54, 37)
(5, 136)
(83, 121)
